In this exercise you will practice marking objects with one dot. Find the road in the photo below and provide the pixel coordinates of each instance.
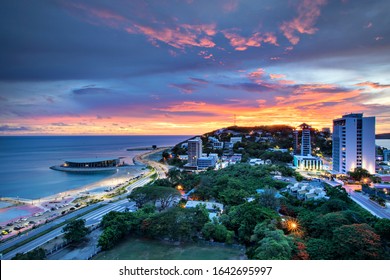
(91, 218)
(160, 168)
(367, 204)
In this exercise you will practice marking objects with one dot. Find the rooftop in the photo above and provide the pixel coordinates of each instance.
(87, 160)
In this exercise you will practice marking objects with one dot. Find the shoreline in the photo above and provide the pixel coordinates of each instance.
(50, 207)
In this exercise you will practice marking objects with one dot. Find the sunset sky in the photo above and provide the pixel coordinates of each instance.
(187, 67)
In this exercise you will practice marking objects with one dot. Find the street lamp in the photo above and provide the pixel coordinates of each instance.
(292, 225)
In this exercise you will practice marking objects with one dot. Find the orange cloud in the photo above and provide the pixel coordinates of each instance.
(276, 76)
(373, 85)
(178, 36)
(182, 36)
(308, 12)
(241, 43)
(257, 73)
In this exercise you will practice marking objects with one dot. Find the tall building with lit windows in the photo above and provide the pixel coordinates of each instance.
(306, 140)
(194, 151)
(353, 143)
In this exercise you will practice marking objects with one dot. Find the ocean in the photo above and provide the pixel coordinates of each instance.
(25, 160)
(383, 143)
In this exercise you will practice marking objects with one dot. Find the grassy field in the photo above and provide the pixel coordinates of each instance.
(142, 249)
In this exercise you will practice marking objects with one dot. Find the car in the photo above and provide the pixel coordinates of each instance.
(31, 222)
(10, 224)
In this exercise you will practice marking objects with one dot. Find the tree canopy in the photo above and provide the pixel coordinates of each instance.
(75, 231)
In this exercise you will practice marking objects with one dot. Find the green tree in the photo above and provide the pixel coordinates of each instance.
(36, 254)
(357, 242)
(382, 227)
(359, 173)
(333, 205)
(139, 196)
(243, 218)
(320, 249)
(268, 198)
(325, 225)
(274, 246)
(165, 155)
(176, 223)
(164, 196)
(75, 231)
(217, 232)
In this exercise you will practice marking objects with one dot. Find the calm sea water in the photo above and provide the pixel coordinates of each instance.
(383, 143)
(25, 160)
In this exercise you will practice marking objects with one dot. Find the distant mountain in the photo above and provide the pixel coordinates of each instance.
(382, 136)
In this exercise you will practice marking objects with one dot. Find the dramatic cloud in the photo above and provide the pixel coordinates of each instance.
(241, 43)
(184, 35)
(308, 13)
(187, 67)
(373, 85)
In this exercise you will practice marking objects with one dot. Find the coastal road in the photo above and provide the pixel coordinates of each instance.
(366, 203)
(160, 168)
(91, 218)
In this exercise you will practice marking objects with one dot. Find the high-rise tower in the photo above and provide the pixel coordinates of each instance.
(295, 142)
(194, 151)
(353, 143)
(306, 140)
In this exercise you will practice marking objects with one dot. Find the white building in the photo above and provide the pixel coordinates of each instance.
(210, 206)
(386, 155)
(206, 162)
(235, 140)
(353, 143)
(183, 157)
(308, 163)
(256, 161)
(213, 139)
(194, 151)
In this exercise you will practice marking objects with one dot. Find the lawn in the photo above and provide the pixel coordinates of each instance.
(144, 249)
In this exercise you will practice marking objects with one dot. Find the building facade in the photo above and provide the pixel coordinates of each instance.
(235, 140)
(308, 163)
(306, 140)
(295, 142)
(353, 143)
(206, 162)
(386, 155)
(194, 151)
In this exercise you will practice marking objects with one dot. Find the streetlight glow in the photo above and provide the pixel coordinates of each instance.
(292, 225)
